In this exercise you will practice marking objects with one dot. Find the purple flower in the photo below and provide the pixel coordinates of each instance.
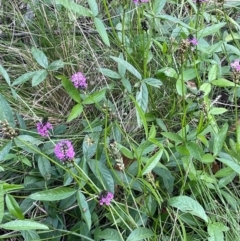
(235, 65)
(140, 1)
(105, 197)
(193, 41)
(79, 80)
(64, 151)
(43, 128)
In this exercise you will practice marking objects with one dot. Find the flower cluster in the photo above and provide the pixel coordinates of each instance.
(43, 128)
(193, 41)
(140, 1)
(64, 151)
(79, 80)
(236, 65)
(105, 197)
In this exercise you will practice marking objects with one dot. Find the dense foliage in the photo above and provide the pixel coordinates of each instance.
(119, 120)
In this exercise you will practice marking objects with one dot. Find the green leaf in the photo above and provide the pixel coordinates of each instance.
(74, 7)
(19, 225)
(70, 88)
(173, 137)
(40, 57)
(212, 74)
(140, 234)
(6, 111)
(11, 187)
(84, 208)
(188, 205)
(102, 31)
(28, 143)
(121, 68)
(223, 83)
(39, 76)
(213, 28)
(169, 72)
(207, 158)
(109, 234)
(5, 75)
(153, 82)
(126, 83)
(102, 173)
(181, 87)
(75, 112)
(55, 194)
(233, 165)
(217, 111)
(219, 139)
(152, 162)
(44, 167)
(128, 66)
(158, 5)
(93, 6)
(142, 97)
(109, 73)
(30, 235)
(194, 150)
(215, 230)
(58, 64)
(4, 150)
(23, 78)
(1, 202)
(13, 207)
(95, 97)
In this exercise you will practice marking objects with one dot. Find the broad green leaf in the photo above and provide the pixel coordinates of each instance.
(95, 97)
(219, 139)
(173, 137)
(223, 83)
(206, 88)
(30, 235)
(93, 6)
(153, 82)
(4, 150)
(102, 173)
(128, 66)
(212, 73)
(152, 132)
(194, 150)
(141, 119)
(53, 194)
(44, 167)
(174, 20)
(75, 112)
(70, 88)
(121, 68)
(110, 73)
(74, 7)
(40, 57)
(142, 97)
(39, 77)
(23, 78)
(19, 225)
(109, 234)
(126, 83)
(1, 202)
(6, 111)
(5, 75)
(102, 31)
(152, 162)
(11, 187)
(206, 31)
(208, 158)
(215, 231)
(125, 151)
(158, 5)
(13, 207)
(188, 205)
(230, 49)
(217, 111)
(169, 72)
(84, 209)
(28, 143)
(140, 234)
(58, 64)
(161, 124)
(233, 165)
(181, 87)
